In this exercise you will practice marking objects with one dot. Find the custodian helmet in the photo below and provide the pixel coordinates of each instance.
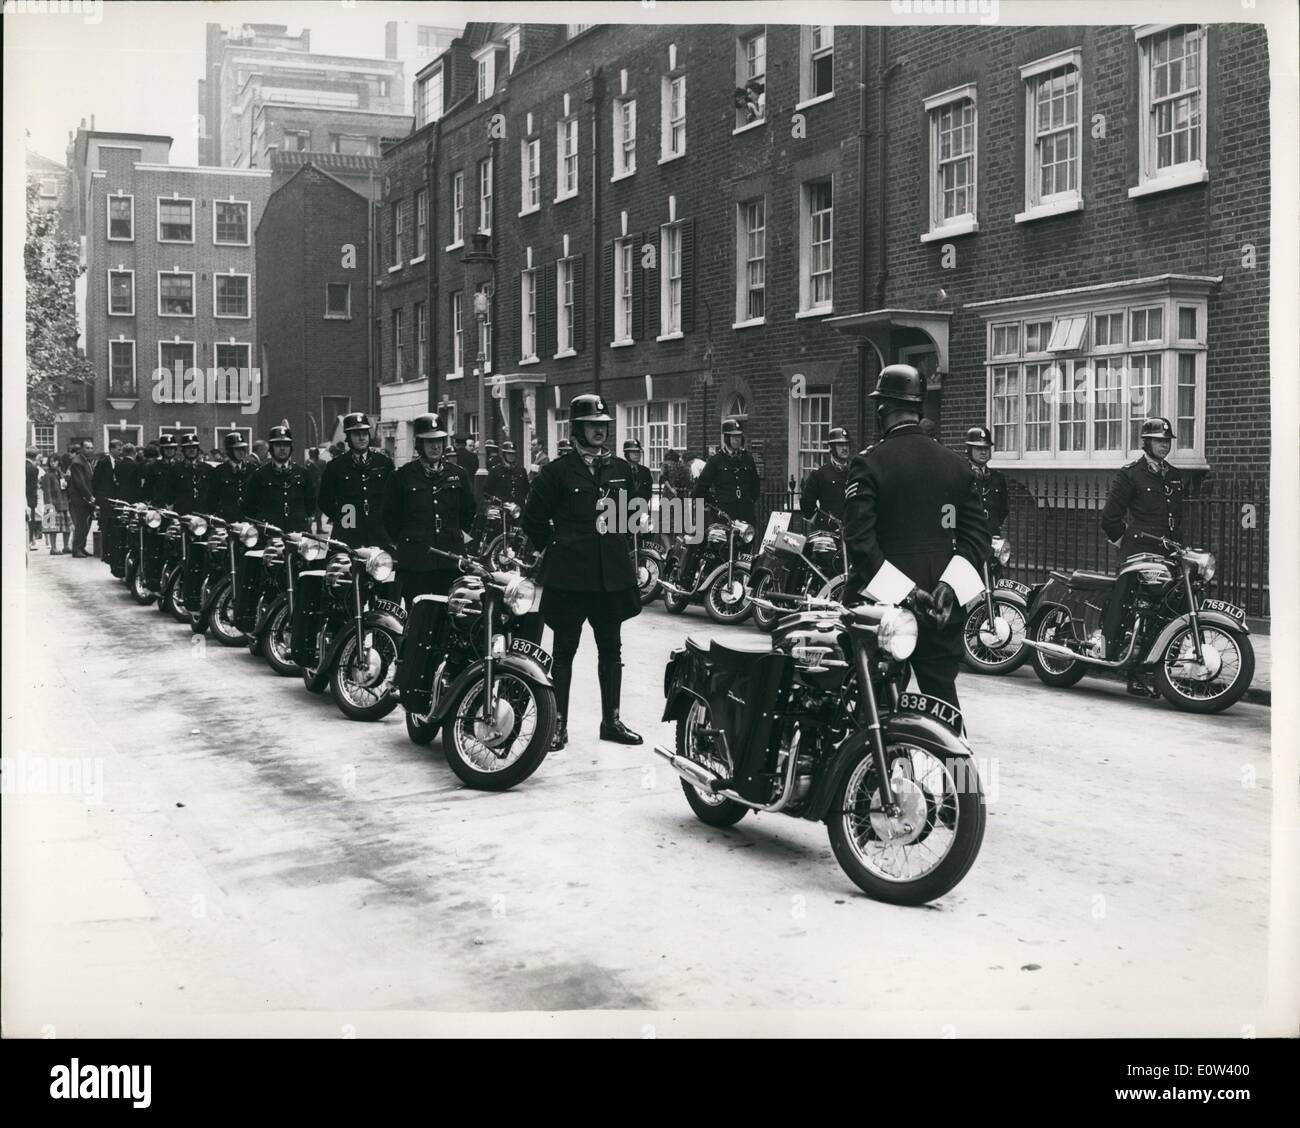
(429, 426)
(900, 382)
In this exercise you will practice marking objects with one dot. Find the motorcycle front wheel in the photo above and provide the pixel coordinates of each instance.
(723, 604)
(222, 619)
(764, 619)
(498, 754)
(172, 600)
(1200, 687)
(509, 552)
(647, 578)
(694, 744)
(1059, 673)
(366, 695)
(980, 650)
(926, 849)
(277, 644)
(136, 585)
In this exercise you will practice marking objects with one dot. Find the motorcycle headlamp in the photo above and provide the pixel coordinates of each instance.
(521, 595)
(248, 534)
(198, 526)
(494, 513)
(717, 534)
(311, 550)
(512, 510)
(1001, 550)
(1203, 562)
(744, 530)
(821, 544)
(379, 565)
(153, 518)
(897, 632)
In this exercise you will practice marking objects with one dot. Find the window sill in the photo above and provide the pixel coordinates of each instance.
(672, 157)
(245, 243)
(565, 354)
(189, 315)
(121, 238)
(529, 360)
(622, 176)
(233, 316)
(561, 199)
(178, 242)
(454, 376)
(1169, 181)
(129, 313)
(456, 246)
(965, 227)
(748, 126)
(1043, 211)
(814, 101)
(395, 268)
(417, 260)
(819, 311)
(488, 232)
(337, 317)
(530, 211)
(621, 344)
(675, 336)
(750, 323)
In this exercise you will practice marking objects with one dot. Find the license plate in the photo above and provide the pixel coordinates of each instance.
(395, 609)
(531, 650)
(933, 707)
(1229, 609)
(745, 558)
(1012, 585)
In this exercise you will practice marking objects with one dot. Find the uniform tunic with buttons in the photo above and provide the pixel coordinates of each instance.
(281, 496)
(991, 485)
(359, 481)
(187, 486)
(226, 489)
(1153, 505)
(507, 483)
(643, 482)
(153, 481)
(730, 482)
(425, 509)
(825, 489)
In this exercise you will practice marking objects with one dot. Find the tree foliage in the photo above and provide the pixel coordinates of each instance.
(52, 266)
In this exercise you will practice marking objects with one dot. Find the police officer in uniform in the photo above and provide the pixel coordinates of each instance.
(586, 573)
(824, 489)
(491, 455)
(1145, 497)
(729, 480)
(279, 490)
(990, 484)
(226, 486)
(156, 478)
(353, 487)
(428, 503)
(187, 483)
(914, 526)
(643, 482)
(507, 480)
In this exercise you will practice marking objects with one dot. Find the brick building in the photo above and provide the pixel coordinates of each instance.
(169, 269)
(313, 304)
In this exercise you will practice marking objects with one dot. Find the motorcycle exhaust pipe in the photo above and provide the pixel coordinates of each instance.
(672, 587)
(1056, 650)
(690, 771)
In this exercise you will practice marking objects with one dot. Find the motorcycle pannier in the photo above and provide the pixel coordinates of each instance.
(248, 589)
(421, 650)
(196, 569)
(765, 690)
(308, 611)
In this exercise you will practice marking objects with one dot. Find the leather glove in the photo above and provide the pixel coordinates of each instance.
(943, 600)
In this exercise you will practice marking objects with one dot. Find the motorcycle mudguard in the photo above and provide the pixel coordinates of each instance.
(204, 619)
(526, 668)
(423, 648)
(685, 680)
(1166, 636)
(248, 588)
(266, 612)
(386, 619)
(912, 728)
(1010, 595)
(738, 566)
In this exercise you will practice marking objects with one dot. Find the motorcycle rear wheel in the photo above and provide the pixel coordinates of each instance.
(715, 810)
(675, 604)
(764, 619)
(1183, 693)
(649, 588)
(1055, 672)
(719, 610)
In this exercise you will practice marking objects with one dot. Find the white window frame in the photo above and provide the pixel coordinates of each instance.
(967, 222)
(398, 322)
(109, 304)
(512, 38)
(656, 436)
(670, 314)
(194, 293)
(248, 351)
(485, 329)
(744, 259)
(457, 210)
(566, 310)
(45, 448)
(194, 360)
(421, 226)
(528, 316)
(116, 429)
(809, 53)
(135, 369)
(744, 77)
(530, 175)
(799, 427)
(624, 141)
(1150, 177)
(624, 272)
(565, 130)
(108, 219)
(345, 316)
(485, 71)
(807, 307)
(193, 218)
(485, 195)
(1038, 205)
(248, 292)
(457, 335)
(668, 125)
(425, 99)
(248, 223)
(420, 317)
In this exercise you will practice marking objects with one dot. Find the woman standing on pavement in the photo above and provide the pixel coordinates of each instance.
(54, 491)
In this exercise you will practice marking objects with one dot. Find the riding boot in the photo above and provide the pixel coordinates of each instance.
(561, 677)
(611, 685)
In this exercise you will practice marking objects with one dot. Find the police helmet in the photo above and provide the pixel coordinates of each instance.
(979, 437)
(233, 441)
(733, 427)
(168, 442)
(279, 434)
(507, 447)
(836, 435)
(429, 426)
(588, 408)
(1157, 428)
(190, 439)
(631, 444)
(356, 421)
(900, 382)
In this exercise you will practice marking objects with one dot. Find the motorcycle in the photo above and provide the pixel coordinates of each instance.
(993, 635)
(506, 548)
(214, 610)
(466, 669)
(117, 532)
(794, 565)
(719, 574)
(171, 598)
(1198, 650)
(141, 550)
(816, 723)
(648, 556)
(343, 634)
(265, 613)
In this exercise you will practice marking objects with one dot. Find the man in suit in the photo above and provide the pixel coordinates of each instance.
(81, 498)
(915, 528)
(465, 458)
(104, 482)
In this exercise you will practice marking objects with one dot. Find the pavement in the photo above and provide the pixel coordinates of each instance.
(193, 846)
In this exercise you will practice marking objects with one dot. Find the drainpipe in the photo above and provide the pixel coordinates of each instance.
(883, 72)
(861, 343)
(431, 263)
(592, 92)
(372, 375)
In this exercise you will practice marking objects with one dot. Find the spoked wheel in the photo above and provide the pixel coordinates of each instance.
(366, 692)
(277, 644)
(728, 601)
(929, 845)
(140, 591)
(505, 749)
(996, 648)
(509, 552)
(223, 619)
(1054, 626)
(1224, 673)
(172, 600)
(695, 744)
(647, 577)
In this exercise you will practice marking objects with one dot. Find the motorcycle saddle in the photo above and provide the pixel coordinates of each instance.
(1085, 581)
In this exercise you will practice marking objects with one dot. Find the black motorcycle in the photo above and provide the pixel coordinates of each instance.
(505, 547)
(265, 610)
(816, 723)
(117, 532)
(719, 573)
(344, 633)
(1197, 650)
(993, 634)
(470, 667)
(171, 587)
(141, 542)
(214, 610)
(648, 556)
(795, 565)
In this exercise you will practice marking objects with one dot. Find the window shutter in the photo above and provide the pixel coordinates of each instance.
(611, 287)
(638, 289)
(580, 302)
(651, 291)
(546, 312)
(688, 276)
(518, 334)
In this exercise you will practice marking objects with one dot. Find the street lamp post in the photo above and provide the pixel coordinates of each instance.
(478, 271)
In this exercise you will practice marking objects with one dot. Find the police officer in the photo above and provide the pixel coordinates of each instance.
(226, 486)
(279, 491)
(428, 504)
(1145, 497)
(990, 484)
(491, 455)
(156, 479)
(914, 527)
(187, 483)
(507, 480)
(729, 480)
(824, 490)
(353, 486)
(643, 482)
(586, 573)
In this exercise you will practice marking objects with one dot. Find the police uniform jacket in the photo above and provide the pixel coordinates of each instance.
(359, 481)
(730, 482)
(467, 460)
(280, 496)
(1151, 502)
(111, 478)
(561, 517)
(508, 483)
(643, 482)
(151, 481)
(424, 509)
(911, 504)
(991, 485)
(187, 486)
(226, 489)
(825, 489)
